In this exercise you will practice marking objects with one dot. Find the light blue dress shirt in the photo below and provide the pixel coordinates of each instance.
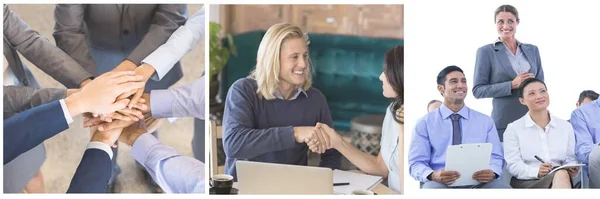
(184, 101)
(586, 123)
(433, 134)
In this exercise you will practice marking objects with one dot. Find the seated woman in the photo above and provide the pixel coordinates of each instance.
(271, 114)
(538, 141)
(386, 164)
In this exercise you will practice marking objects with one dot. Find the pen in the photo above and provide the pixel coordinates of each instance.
(341, 184)
(538, 158)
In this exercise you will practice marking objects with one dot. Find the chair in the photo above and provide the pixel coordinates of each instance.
(216, 133)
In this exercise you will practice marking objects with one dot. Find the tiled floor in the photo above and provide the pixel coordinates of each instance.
(64, 151)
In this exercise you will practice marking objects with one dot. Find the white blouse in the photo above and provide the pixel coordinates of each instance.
(523, 140)
(390, 149)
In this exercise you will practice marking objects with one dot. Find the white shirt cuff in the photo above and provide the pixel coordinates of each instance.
(102, 146)
(68, 117)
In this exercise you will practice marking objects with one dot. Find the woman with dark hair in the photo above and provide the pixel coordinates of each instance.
(501, 66)
(387, 163)
(538, 142)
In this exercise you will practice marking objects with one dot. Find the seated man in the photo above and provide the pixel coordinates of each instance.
(433, 104)
(452, 124)
(585, 97)
(586, 123)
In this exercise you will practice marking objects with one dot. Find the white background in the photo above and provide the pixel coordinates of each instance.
(442, 34)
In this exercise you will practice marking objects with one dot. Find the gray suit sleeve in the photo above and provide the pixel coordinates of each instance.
(540, 73)
(20, 98)
(41, 52)
(69, 34)
(483, 88)
(167, 19)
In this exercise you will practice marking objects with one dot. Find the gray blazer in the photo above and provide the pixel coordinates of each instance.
(19, 37)
(492, 79)
(21, 98)
(99, 36)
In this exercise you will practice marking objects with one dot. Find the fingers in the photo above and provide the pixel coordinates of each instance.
(128, 87)
(141, 106)
(322, 143)
(326, 137)
(126, 95)
(121, 104)
(136, 98)
(117, 124)
(134, 114)
(93, 121)
(312, 145)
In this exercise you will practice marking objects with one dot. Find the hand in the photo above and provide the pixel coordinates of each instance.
(573, 171)
(335, 140)
(98, 97)
(145, 100)
(484, 176)
(125, 65)
(146, 71)
(115, 124)
(545, 168)
(306, 134)
(89, 120)
(85, 82)
(131, 133)
(445, 177)
(135, 114)
(107, 137)
(319, 146)
(520, 78)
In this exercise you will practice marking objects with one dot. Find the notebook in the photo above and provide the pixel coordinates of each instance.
(357, 181)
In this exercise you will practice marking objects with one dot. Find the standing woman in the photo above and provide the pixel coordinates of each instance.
(500, 68)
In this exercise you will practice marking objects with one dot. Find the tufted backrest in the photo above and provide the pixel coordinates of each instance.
(346, 70)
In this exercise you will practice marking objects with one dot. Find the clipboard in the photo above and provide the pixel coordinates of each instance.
(468, 159)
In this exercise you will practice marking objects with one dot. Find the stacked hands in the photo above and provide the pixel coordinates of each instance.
(318, 138)
(114, 105)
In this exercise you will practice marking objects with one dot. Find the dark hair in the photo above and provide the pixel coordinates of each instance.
(527, 82)
(393, 67)
(441, 78)
(587, 94)
(506, 8)
(432, 101)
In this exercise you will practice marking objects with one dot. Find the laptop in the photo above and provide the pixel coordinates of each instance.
(270, 178)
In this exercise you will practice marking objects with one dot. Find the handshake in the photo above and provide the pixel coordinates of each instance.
(318, 138)
(113, 102)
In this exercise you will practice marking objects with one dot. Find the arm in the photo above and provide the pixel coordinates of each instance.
(482, 87)
(70, 36)
(21, 134)
(41, 52)
(365, 162)
(240, 139)
(419, 153)
(21, 98)
(184, 39)
(583, 136)
(332, 157)
(185, 101)
(497, 161)
(540, 73)
(512, 153)
(173, 172)
(93, 171)
(571, 158)
(167, 19)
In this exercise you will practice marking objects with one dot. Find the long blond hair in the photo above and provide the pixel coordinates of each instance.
(268, 64)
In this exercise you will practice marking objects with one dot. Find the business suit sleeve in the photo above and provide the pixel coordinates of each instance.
(184, 39)
(93, 172)
(497, 159)
(69, 34)
(185, 101)
(167, 19)
(332, 158)
(540, 73)
(41, 52)
(583, 137)
(483, 88)
(21, 134)
(21, 98)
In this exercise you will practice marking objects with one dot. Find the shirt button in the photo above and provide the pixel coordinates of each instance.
(125, 32)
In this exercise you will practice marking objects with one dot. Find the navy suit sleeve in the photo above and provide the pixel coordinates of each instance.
(28, 129)
(92, 174)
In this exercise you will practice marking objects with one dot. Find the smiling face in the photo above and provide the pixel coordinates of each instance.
(294, 62)
(455, 88)
(535, 96)
(506, 25)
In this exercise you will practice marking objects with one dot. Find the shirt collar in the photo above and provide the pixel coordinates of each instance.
(298, 91)
(499, 40)
(530, 123)
(446, 112)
